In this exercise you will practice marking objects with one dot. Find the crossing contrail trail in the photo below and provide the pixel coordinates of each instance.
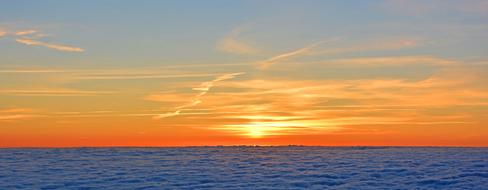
(203, 89)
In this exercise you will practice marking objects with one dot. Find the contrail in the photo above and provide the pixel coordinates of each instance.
(204, 88)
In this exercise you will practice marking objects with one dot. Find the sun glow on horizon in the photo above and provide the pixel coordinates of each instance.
(261, 126)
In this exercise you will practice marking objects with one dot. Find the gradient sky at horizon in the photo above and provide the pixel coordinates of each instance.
(181, 73)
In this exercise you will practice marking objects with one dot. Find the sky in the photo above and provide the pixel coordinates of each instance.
(277, 72)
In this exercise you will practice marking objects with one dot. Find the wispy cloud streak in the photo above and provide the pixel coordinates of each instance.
(395, 60)
(23, 71)
(55, 92)
(58, 47)
(285, 56)
(14, 114)
(147, 76)
(376, 45)
(30, 37)
(25, 32)
(421, 8)
(232, 44)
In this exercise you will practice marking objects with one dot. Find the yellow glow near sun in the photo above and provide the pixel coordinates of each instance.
(255, 131)
(260, 126)
(261, 129)
(258, 129)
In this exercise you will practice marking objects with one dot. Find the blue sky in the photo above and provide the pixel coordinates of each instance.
(169, 30)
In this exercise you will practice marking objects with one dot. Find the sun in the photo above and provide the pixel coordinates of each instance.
(260, 129)
(255, 131)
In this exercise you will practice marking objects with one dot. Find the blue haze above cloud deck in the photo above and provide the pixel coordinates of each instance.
(245, 168)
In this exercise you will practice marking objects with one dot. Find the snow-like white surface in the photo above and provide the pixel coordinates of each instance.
(245, 168)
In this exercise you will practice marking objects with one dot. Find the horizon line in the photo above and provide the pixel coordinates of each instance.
(247, 146)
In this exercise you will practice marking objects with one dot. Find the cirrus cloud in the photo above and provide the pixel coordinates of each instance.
(233, 44)
(30, 37)
(58, 47)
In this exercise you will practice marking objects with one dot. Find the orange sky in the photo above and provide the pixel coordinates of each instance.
(255, 73)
